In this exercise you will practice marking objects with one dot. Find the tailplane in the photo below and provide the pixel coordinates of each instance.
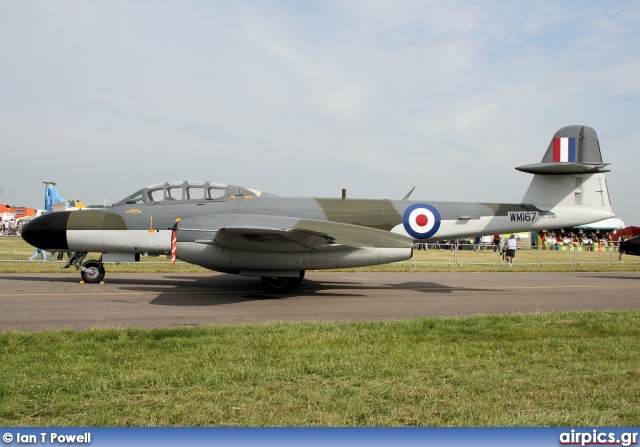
(571, 172)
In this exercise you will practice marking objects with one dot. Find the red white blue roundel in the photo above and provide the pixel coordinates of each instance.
(421, 221)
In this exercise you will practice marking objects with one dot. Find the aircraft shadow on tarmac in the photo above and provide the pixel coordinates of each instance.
(605, 276)
(219, 289)
(228, 289)
(432, 287)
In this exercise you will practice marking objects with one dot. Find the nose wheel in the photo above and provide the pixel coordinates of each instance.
(92, 271)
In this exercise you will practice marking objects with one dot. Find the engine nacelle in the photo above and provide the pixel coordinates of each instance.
(218, 258)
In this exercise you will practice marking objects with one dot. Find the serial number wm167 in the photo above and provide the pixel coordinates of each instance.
(523, 216)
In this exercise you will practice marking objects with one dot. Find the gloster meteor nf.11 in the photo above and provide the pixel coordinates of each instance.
(243, 231)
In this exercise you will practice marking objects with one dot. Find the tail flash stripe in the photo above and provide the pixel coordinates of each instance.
(556, 149)
(564, 150)
(572, 150)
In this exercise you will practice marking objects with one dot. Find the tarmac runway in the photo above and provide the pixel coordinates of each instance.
(31, 302)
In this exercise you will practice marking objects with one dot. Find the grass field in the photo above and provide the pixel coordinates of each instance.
(569, 369)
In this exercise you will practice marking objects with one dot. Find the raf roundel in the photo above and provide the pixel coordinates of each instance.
(421, 221)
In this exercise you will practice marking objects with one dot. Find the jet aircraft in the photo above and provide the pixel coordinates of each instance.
(631, 246)
(244, 231)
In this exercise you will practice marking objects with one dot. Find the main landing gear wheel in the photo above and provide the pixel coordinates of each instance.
(281, 284)
(93, 272)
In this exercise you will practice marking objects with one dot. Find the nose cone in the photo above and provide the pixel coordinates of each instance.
(48, 232)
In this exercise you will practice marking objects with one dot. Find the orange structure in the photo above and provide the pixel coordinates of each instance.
(17, 211)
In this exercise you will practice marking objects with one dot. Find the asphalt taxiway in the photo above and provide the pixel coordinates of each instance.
(32, 302)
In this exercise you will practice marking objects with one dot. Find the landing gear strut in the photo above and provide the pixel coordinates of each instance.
(91, 271)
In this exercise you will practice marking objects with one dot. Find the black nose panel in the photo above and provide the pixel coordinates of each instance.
(48, 232)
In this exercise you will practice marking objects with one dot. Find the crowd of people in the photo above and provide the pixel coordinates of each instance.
(9, 228)
(474, 243)
(552, 240)
(589, 240)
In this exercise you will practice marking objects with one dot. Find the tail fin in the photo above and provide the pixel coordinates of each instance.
(571, 172)
(573, 150)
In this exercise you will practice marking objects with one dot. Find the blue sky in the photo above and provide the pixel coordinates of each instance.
(306, 98)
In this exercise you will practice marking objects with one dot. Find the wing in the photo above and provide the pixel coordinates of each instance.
(269, 239)
(284, 234)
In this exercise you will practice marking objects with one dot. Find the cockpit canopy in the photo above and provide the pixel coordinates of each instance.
(189, 191)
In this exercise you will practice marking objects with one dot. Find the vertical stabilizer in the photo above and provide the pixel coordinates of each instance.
(571, 172)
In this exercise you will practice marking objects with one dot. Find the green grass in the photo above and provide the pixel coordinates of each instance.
(569, 369)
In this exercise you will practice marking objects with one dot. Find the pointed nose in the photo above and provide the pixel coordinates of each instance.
(48, 232)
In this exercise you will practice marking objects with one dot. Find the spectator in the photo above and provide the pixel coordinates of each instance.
(511, 248)
(602, 242)
(39, 251)
(11, 228)
(496, 242)
(588, 242)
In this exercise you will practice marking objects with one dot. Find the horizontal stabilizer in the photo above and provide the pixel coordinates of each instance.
(563, 168)
(573, 150)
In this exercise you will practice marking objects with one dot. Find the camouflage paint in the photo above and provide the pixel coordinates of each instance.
(95, 220)
(378, 214)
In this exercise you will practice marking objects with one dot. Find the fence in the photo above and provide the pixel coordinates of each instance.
(14, 249)
(490, 254)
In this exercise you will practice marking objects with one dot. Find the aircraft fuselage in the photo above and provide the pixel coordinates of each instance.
(146, 228)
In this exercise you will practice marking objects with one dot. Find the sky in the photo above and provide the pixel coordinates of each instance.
(304, 98)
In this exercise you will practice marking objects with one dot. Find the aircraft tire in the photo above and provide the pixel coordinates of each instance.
(95, 274)
(273, 284)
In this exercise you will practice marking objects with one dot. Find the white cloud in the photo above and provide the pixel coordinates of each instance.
(307, 98)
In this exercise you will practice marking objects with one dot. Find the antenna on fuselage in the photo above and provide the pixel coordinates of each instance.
(408, 194)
